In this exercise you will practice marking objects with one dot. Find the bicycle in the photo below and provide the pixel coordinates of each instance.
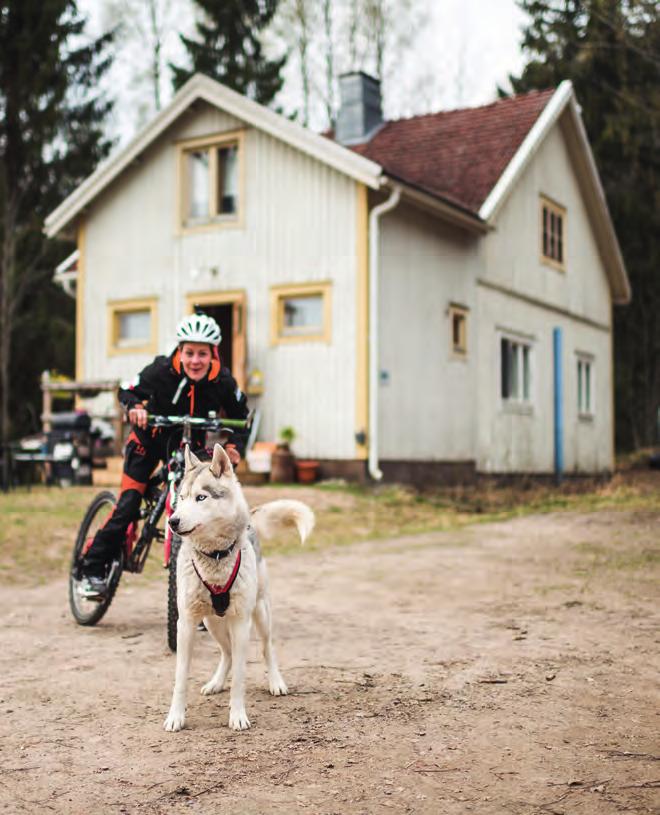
(159, 497)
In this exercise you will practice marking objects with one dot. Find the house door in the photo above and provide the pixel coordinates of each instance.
(228, 310)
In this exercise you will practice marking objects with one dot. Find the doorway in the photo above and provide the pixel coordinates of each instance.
(223, 316)
(228, 310)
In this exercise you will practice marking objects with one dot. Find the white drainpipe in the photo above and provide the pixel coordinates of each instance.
(374, 221)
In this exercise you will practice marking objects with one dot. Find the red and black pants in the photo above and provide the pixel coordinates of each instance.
(141, 457)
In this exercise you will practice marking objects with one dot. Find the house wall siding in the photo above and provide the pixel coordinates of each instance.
(512, 252)
(578, 301)
(426, 409)
(511, 439)
(299, 227)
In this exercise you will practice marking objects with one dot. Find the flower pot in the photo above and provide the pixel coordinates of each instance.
(307, 471)
(282, 466)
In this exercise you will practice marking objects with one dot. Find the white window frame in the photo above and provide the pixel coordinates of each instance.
(584, 361)
(518, 403)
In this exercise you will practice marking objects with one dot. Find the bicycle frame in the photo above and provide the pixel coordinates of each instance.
(136, 552)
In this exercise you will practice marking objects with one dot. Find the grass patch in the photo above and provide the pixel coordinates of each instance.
(619, 555)
(39, 527)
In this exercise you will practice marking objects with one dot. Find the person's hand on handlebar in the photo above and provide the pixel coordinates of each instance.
(138, 416)
(233, 454)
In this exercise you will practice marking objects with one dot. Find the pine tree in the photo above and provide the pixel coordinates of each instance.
(610, 50)
(51, 137)
(228, 48)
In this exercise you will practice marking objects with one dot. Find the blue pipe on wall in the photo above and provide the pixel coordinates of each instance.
(559, 403)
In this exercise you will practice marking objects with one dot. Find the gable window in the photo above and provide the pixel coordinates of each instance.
(515, 370)
(300, 313)
(552, 233)
(585, 385)
(211, 181)
(458, 327)
(132, 326)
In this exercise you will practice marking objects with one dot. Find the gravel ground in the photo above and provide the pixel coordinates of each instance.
(504, 668)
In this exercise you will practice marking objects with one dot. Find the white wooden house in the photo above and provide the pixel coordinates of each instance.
(427, 298)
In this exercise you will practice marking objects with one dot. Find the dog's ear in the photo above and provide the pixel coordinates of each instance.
(220, 463)
(190, 458)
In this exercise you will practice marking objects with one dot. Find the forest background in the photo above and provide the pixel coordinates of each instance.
(79, 78)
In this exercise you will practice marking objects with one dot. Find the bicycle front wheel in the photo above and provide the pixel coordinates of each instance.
(89, 612)
(172, 607)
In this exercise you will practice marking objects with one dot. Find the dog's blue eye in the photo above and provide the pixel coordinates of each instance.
(200, 498)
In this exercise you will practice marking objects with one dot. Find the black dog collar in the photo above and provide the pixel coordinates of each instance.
(218, 554)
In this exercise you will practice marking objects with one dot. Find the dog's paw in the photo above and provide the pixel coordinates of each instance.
(212, 687)
(238, 720)
(277, 686)
(175, 721)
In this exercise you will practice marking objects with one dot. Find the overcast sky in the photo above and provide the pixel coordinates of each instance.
(465, 49)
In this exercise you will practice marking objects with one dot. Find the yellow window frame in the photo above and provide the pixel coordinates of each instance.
(278, 296)
(211, 144)
(459, 349)
(553, 209)
(118, 307)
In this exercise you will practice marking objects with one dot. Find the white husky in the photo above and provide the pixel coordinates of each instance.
(222, 578)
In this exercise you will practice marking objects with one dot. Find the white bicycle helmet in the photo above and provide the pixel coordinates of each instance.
(198, 328)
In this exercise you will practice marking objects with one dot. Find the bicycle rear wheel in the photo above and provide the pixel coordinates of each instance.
(172, 607)
(89, 612)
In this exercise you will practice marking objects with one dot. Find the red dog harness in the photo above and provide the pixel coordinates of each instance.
(220, 594)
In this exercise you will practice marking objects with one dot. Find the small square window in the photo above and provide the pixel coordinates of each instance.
(552, 233)
(515, 370)
(458, 327)
(134, 327)
(131, 326)
(300, 313)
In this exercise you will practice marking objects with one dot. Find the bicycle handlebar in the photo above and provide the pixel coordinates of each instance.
(199, 422)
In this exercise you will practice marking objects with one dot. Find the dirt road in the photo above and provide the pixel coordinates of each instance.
(509, 668)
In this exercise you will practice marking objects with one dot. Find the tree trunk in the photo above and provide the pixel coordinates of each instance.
(7, 270)
(329, 63)
(303, 45)
(157, 45)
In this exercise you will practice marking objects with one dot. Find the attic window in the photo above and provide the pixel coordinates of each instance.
(211, 182)
(552, 233)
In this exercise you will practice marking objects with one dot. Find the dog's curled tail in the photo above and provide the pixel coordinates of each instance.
(278, 516)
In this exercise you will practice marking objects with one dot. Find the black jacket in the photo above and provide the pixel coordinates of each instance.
(164, 388)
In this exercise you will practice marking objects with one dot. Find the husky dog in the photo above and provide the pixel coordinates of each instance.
(222, 578)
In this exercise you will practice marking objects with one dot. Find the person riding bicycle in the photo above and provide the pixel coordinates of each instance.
(190, 382)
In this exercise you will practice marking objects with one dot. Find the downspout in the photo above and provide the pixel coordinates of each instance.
(374, 221)
(558, 404)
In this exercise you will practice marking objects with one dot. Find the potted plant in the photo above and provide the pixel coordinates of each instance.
(307, 471)
(282, 466)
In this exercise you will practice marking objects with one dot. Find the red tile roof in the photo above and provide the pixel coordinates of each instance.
(457, 155)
